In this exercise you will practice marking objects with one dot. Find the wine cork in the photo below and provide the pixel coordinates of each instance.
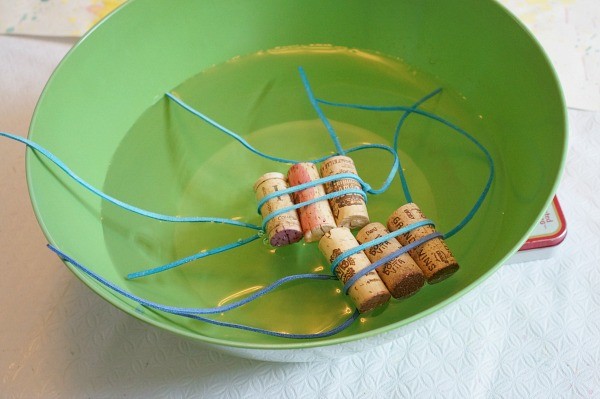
(433, 257)
(283, 229)
(316, 219)
(368, 292)
(401, 275)
(348, 210)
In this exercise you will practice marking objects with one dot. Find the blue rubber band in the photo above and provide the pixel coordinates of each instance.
(388, 258)
(379, 240)
(366, 187)
(165, 218)
(195, 312)
(325, 197)
(310, 184)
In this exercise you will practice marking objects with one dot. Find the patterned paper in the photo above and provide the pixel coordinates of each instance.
(569, 31)
(53, 17)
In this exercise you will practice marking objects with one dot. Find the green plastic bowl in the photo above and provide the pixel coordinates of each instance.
(105, 115)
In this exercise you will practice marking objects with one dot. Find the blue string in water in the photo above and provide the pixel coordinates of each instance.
(165, 218)
(55, 160)
(191, 258)
(451, 125)
(227, 131)
(317, 108)
(405, 115)
(248, 146)
(195, 313)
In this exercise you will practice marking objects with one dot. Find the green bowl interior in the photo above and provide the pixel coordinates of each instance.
(104, 114)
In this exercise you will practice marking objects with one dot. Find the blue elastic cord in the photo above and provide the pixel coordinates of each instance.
(388, 258)
(451, 125)
(247, 145)
(227, 131)
(379, 240)
(199, 255)
(195, 312)
(405, 115)
(121, 204)
(347, 323)
(395, 166)
(315, 105)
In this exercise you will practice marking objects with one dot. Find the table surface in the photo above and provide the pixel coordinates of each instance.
(530, 330)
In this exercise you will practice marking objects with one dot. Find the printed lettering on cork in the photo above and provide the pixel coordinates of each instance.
(433, 257)
(368, 292)
(401, 275)
(349, 210)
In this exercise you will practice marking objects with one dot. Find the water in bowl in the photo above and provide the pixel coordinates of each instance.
(174, 163)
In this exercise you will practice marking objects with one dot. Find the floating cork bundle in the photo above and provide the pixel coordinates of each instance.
(401, 275)
(368, 292)
(283, 229)
(433, 257)
(348, 210)
(316, 219)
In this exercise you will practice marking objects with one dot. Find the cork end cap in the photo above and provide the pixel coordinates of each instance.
(443, 274)
(354, 222)
(285, 237)
(375, 301)
(408, 286)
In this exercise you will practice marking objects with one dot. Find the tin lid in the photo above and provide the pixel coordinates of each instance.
(551, 229)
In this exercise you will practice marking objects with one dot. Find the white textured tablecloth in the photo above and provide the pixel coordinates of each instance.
(531, 330)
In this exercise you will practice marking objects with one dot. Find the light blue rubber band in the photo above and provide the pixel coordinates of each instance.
(388, 258)
(379, 240)
(366, 187)
(313, 183)
(309, 202)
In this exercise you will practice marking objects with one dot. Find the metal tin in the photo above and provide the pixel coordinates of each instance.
(545, 238)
